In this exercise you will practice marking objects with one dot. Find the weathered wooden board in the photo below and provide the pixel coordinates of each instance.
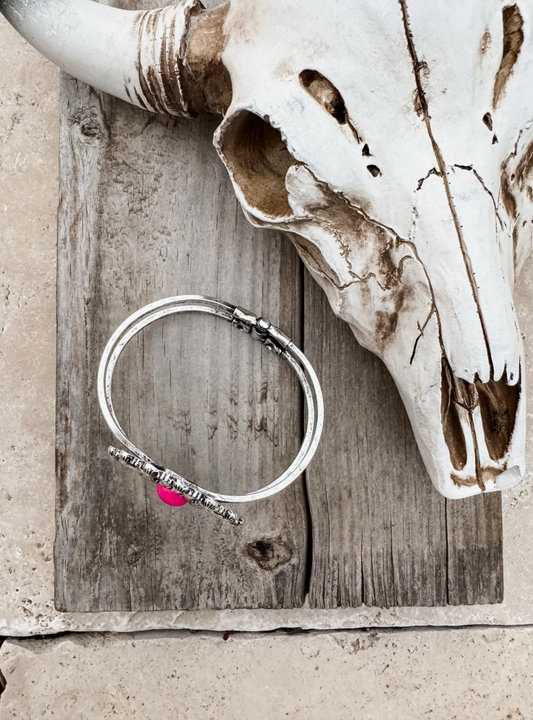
(146, 212)
(381, 536)
(475, 548)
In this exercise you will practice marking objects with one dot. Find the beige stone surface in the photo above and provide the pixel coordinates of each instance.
(479, 674)
(28, 207)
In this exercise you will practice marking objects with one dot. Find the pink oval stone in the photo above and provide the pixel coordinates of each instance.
(170, 497)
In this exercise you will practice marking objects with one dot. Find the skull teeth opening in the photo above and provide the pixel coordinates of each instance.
(451, 422)
(498, 402)
(478, 418)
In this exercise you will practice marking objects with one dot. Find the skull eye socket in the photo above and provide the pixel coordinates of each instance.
(324, 92)
(258, 160)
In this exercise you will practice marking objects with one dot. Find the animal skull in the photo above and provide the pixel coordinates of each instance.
(393, 141)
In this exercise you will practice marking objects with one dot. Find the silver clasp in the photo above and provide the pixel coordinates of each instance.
(260, 329)
(243, 320)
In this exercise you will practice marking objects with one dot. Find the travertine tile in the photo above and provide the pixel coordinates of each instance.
(468, 674)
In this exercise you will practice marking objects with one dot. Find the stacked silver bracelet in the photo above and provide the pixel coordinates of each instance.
(272, 338)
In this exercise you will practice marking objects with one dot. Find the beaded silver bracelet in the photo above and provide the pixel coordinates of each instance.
(272, 338)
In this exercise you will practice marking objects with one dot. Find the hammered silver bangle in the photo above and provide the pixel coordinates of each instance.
(272, 338)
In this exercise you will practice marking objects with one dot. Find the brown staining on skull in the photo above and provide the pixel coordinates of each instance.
(510, 205)
(486, 42)
(370, 254)
(203, 58)
(417, 104)
(431, 172)
(314, 259)
(387, 322)
(513, 39)
(363, 257)
(353, 232)
(524, 170)
(422, 71)
(258, 160)
(508, 198)
(485, 475)
(463, 482)
(419, 94)
(180, 71)
(327, 95)
(158, 65)
(512, 184)
(399, 298)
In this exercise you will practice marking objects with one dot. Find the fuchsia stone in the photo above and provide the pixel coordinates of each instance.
(170, 497)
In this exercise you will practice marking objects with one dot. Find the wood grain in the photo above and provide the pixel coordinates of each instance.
(381, 535)
(147, 211)
(475, 551)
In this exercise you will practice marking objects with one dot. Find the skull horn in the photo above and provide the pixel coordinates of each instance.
(156, 59)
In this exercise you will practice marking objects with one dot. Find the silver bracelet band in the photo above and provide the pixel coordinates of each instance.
(272, 338)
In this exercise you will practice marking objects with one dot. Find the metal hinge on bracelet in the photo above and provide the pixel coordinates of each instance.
(263, 330)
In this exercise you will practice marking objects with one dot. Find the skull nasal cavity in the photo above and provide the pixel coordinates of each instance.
(258, 159)
(325, 93)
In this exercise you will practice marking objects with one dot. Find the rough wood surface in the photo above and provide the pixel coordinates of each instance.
(147, 211)
(475, 566)
(381, 535)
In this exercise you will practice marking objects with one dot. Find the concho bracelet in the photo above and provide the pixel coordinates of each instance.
(272, 338)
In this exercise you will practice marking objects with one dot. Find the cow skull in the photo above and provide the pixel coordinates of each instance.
(393, 141)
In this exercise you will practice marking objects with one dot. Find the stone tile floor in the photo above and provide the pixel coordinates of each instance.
(467, 674)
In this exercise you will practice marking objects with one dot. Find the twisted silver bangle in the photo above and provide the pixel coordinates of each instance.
(272, 338)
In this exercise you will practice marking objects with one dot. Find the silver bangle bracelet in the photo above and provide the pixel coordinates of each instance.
(272, 338)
